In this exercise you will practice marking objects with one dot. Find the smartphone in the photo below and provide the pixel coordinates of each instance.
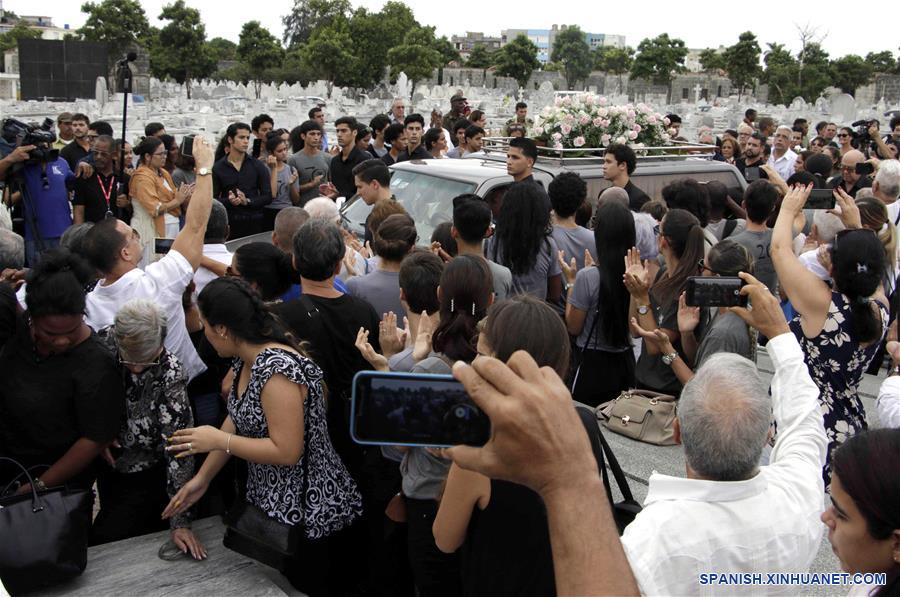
(820, 199)
(414, 409)
(257, 147)
(187, 145)
(864, 168)
(715, 291)
(751, 173)
(163, 245)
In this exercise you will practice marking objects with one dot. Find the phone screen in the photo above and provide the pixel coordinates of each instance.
(751, 173)
(163, 245)
(820, 199)
(410, 409)
(715, 291)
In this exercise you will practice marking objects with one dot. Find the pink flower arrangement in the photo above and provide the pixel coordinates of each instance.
(578, 142)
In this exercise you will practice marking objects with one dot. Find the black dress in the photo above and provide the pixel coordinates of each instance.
(507, 548)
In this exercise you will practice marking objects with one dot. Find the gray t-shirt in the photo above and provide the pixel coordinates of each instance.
(758, 244)
(533, 282)
(503, 285)
(584, 297)
(180, 177)
(424, 474)
(573, 241)
(402, 361)
(283, 196)
(309, 168)
(726, 333)
(381, 289)
(718, 228)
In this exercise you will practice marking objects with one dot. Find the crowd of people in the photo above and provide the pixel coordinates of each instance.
(139, 354)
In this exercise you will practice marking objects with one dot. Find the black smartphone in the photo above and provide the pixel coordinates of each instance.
(257, 147)
(163, 245)
(751, 173)
(715, 291)
(414, 409)
(820, 199)
(864, 168)
(187, 145)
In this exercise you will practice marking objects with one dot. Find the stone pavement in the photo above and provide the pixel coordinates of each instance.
(639, 460)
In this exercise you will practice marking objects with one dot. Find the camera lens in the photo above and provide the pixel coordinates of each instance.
(459, 412)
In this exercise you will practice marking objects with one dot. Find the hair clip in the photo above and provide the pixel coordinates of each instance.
(862, 268)
(452, 305)
(473, 309)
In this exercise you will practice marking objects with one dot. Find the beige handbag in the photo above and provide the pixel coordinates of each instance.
(642, 415)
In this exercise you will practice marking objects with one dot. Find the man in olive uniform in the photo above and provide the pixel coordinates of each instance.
(458, 110)
(521, 118)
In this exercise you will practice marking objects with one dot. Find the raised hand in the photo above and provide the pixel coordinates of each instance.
(849, 213)
(391, 338)
(688, 317)
(570, 269)
(378, 362)
(422, 347)
(657, 338)
(766, 314)
(637, 276)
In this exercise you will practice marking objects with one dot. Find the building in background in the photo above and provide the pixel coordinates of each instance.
(544, 39)
(464, 44)
(43, 24)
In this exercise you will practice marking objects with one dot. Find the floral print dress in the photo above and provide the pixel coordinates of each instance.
(836, 363)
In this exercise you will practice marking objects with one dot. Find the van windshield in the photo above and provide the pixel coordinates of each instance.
(428, 200)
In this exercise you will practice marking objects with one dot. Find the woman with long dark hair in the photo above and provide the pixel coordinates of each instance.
(726, 332)
(597, 310)
(277, 423)
(465, 293)
(840, 327)
(267, 269)
(62, 398)
(864, 517)
(500, 528)
(681, 243)
(522, 242)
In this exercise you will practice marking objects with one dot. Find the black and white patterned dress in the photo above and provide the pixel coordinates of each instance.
(332, 500)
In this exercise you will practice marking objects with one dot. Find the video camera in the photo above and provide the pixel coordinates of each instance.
(862, 132)
(16, 132)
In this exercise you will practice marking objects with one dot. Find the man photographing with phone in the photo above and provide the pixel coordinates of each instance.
(851, 180)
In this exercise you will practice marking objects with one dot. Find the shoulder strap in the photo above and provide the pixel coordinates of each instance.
(730, 225)
(604, 455)
(897, 219)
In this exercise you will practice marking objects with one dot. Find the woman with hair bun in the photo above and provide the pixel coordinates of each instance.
(277, 423)
(839, 328)
(61, 400)
(267, 269)
(393, 240)
(155, 199)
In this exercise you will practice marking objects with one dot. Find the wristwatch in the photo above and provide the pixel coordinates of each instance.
(668, 359)
(204, 172)
(643, 309)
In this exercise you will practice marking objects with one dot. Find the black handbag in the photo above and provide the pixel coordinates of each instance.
(251, 532)
(44, 535)
(625, 511)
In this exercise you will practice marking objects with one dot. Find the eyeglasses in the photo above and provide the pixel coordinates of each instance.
(231, 273)
(842, 135)
(137, 364)
(703, 267)
(159, 154)
(656, 230)
(848, 168)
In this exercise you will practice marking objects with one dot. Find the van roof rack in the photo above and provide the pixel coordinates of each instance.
(678, 150)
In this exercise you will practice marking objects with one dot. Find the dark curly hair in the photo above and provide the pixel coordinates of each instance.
(56, 285)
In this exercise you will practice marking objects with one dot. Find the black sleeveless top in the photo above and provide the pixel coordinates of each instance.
(507, 548)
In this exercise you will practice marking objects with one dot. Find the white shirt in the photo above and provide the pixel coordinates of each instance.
(887, 405)
(769, 523)
(202, 277)
(785, 164)
(163, 282)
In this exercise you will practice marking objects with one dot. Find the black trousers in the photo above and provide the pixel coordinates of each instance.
(603, 376)
(130, 504)
(436, 574)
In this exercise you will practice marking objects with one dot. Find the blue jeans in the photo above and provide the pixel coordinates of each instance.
(32, 254)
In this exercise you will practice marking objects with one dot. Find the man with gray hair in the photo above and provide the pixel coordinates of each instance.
(731, 515)
(783, 158)
(12, 250)
(886, 188)
(323, 208)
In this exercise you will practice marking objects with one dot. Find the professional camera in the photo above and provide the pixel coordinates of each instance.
(862, 131)
(41, 136)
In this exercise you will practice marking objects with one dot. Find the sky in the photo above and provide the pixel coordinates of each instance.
(699, 24)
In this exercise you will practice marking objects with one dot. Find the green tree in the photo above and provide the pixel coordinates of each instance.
(518, 59)
(448, 52)
(326, 55)
(659, 59)
(573, 54)
(222, 49)
(850, 72)
(10, 39)
(373, 34)
(416, 56)
(742, 61)
(815, 71)
(258, 50)
(711, 60)
(119, 23)
(780, 74)
(481, 57)
(614, 61)
(307, 16)
(182, 52)
(883, 62)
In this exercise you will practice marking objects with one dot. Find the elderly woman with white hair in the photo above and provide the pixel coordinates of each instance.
(355, 263)
(142, 476)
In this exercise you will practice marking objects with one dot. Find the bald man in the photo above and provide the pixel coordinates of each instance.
(848, 179)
